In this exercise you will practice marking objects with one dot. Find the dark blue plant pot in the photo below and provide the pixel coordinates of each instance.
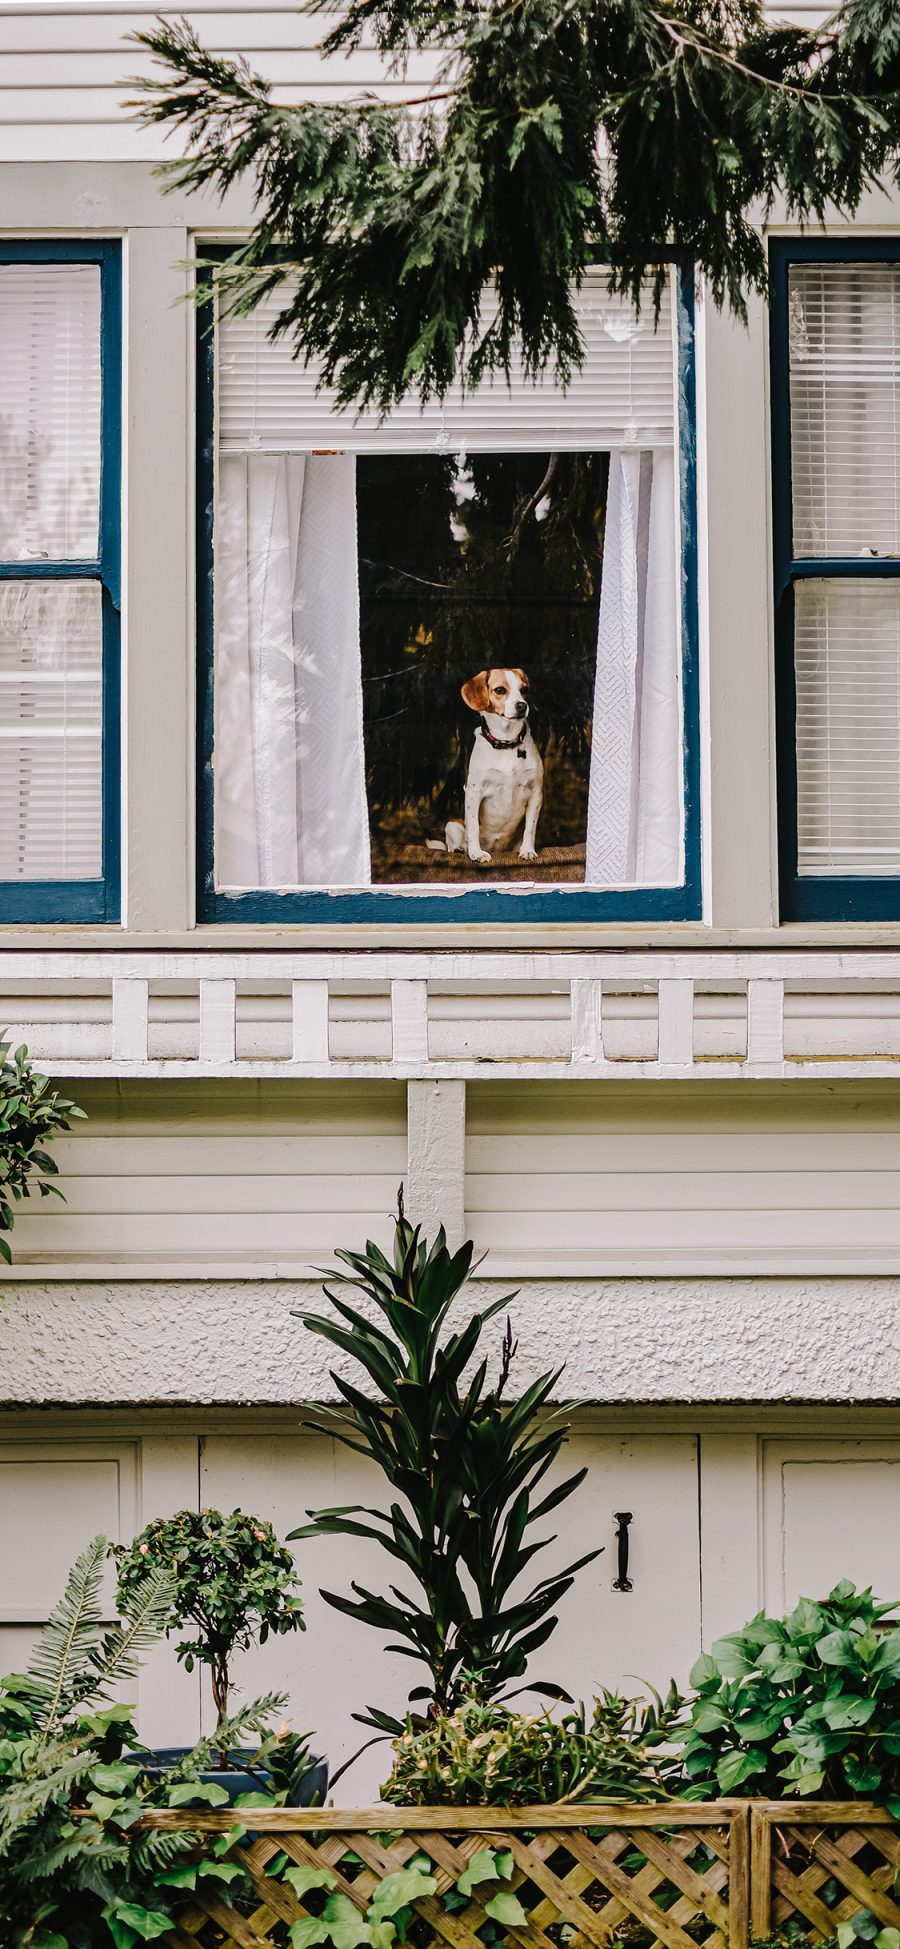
(311, 1793)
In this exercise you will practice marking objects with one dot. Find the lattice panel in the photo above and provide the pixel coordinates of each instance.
(820, 1875)
(651, 1883)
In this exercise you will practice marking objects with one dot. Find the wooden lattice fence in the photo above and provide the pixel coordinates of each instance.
(722, 1875)
(654, 1877)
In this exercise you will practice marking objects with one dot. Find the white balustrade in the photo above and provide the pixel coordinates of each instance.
(672, 1014)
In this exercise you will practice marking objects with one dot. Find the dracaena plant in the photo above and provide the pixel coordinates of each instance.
(465, 1469)
(807, 1704)
(32, 1115)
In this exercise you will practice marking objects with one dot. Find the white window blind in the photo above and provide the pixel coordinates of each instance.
(845, 408)
(623, 397)
(50, 730)
(847, 656)
(49, 411)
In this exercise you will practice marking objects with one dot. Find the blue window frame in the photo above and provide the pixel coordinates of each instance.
(474, 904)
(800, 580)
(96, 898)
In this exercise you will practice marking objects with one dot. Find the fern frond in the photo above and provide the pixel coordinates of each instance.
(65, 1648)
(27, 1799)
(145, 1612)
(152, 1852)
(229, 1736)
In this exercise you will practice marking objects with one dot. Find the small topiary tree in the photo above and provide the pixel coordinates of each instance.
(231, 1577)
(31, 1116)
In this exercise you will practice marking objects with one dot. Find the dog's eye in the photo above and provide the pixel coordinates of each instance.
(501, 690)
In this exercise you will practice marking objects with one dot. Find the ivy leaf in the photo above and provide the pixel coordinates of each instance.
(148, 1923)
(187, 1793)
(398, 1890)
(302, 1878)
(346, 1928)
(506, 1909)
(482, 1867)
(307, 1931)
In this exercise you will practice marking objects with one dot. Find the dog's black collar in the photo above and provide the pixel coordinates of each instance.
(504, 744)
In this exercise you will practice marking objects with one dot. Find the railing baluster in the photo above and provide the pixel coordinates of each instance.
(676, 1023)
(130, 1019)
(587, 1020)
(217, 1020)
(309, 1009)
(409, 1021)
(765, 1021)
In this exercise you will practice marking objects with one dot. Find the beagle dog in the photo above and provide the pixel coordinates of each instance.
(505, 779)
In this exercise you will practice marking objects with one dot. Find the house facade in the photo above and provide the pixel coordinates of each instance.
(652, 1070)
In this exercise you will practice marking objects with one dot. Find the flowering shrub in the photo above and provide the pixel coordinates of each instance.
(231, 1577)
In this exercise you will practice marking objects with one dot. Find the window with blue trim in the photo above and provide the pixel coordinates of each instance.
(451, 655)
(836, 425)
(59, 581)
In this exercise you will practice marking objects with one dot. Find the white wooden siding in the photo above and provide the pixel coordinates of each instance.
(247, 1176)
(64, 69)
(603, 1179)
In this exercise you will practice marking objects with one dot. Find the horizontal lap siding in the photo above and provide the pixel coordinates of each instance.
(238, 1175)
(64, 71)
(610, 1180)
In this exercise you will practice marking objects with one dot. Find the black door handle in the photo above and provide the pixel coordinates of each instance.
(622, 1518)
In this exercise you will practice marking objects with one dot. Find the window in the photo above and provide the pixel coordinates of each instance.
(836, 504)
(451, 654)
(59, 592)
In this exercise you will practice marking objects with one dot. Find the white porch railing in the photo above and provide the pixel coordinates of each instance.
(666, 1015)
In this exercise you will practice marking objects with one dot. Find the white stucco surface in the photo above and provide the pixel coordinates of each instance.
(685, 1340)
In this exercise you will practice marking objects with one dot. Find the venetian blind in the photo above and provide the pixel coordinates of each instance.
(49, 412)
(845, 395)
(624, 395)
(847, 656)
(50, 730)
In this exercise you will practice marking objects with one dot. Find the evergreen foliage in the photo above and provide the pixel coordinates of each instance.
(558, 129)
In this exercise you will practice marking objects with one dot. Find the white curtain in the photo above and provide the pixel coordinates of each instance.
(634, 832)
(290, 784)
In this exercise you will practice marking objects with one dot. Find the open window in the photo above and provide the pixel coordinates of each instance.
(836, 503)
(451, 653)
(59, 581)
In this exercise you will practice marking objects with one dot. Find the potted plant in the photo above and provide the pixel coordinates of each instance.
(235, 1583)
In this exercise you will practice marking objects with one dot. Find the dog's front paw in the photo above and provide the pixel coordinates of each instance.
(480, 859)
(527, 852)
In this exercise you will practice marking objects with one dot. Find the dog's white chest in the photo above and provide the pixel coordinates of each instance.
(508, 779)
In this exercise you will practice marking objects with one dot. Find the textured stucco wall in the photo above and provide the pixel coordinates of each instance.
(623, 1340)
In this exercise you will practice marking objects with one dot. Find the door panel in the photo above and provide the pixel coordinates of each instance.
(830, 1509)
(54, 1497)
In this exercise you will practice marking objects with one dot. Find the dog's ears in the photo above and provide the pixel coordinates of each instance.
(476, 693)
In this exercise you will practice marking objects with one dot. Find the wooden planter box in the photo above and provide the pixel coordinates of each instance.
(669, 1876)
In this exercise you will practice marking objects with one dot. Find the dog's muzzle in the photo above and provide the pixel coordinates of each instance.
(522, 709)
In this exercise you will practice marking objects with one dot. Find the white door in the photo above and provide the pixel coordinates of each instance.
(605, 1637)
(830, 1509)
(54, 1497)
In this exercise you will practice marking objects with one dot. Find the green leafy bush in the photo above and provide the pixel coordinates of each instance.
(808, 1705)
(32, 1115)
(464, 1466)
(75, 1870)
(484, 1754)
(230, 1576)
